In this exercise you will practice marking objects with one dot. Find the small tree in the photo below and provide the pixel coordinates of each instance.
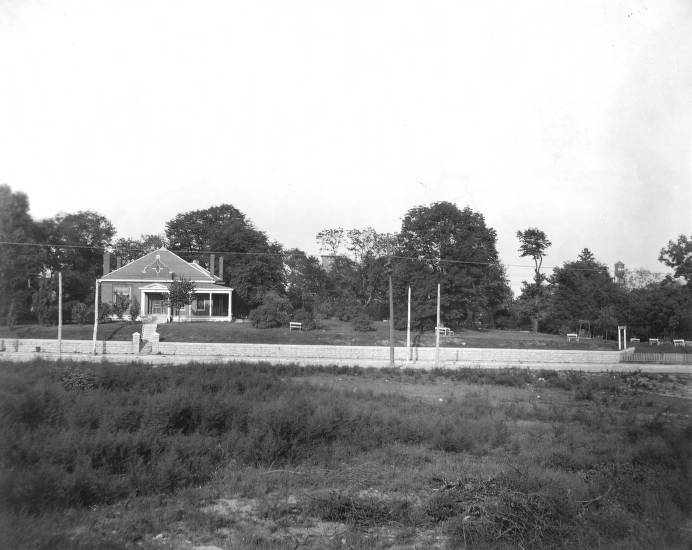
(181, 293)
(120, 306)
(533, 243)
(134, 309)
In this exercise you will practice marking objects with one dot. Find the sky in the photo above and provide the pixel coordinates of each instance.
(573, 117)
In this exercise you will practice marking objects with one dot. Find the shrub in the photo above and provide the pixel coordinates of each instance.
(362, 324)
(305, 317)
(80, 313)
(134, 309)
(120, 307)
(275, 311)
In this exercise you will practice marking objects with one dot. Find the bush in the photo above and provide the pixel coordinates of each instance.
(275, 311)
(134, 309)
(80, 313)
(362, 324)
(305, 317)
(105, 311)
(119, 308)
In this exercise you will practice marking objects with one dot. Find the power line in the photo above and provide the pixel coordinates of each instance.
(290, 254)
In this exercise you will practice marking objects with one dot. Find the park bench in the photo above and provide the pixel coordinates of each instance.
(293, 325)
(677, 343)
(654, 342)
(445, 331)
(634, 340)
(572, 336)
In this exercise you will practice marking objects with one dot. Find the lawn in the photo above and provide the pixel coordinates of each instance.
(251, 456)
(336, 332)
(106, 331)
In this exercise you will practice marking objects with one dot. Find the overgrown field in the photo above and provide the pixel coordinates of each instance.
(249, 456)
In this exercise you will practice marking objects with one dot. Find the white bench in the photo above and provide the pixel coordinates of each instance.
(293, 325)
(572, 336)
(653, 341)
(634, 340)
(445, 331)
(677, 343)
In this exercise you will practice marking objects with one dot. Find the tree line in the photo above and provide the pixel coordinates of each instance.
(436, 244)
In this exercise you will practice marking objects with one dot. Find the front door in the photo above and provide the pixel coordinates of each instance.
(156, 304)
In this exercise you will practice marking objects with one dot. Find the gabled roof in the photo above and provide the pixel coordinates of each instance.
(161, 265)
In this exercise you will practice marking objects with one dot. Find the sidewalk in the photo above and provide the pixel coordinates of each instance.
(165, 360)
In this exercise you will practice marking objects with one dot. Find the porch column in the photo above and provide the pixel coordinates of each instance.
(142, 304)
(211, 304)
(229, 306)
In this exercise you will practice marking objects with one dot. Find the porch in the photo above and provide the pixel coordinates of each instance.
(210, 304)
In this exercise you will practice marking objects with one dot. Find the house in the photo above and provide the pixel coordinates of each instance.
(146, 280)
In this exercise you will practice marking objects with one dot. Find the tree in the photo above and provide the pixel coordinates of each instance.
(252, 264)
(306, 281)
(130, 249)
(580, 290)
(453, 247)
(20, 266)
(533, 243)
(181, 292)
(275, 311)
(641, 277)
(78, 241)
(678, 255)
(330, 240)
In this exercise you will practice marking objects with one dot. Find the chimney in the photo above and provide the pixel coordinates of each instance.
(211, 264)
(221, 267)
(106, 263)
(118, 262)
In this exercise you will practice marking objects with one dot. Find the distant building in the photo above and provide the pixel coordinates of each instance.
(146, 280)
(619, 273)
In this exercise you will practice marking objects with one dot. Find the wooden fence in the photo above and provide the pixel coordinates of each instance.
(653, 357)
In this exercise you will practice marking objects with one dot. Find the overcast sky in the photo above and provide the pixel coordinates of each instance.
(571, 116)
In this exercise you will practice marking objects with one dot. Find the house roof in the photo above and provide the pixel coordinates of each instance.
(161, 265)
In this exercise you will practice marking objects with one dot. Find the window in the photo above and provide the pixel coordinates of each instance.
(121, 295)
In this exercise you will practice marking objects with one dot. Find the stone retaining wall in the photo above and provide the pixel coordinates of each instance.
(68, 346)
(336, 354)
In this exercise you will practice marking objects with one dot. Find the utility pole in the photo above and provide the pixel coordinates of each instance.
(96, 315)
(59, 314)
(437, 330)
(408, 328)
(391, 305)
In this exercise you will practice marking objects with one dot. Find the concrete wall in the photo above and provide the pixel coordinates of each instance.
(380, 353)
(68, 346)
(328, 354)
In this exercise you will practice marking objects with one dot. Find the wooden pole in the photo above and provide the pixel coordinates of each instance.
(437, 330)
(96, 316)
(408, 328)
(391, 308)
(59, 313)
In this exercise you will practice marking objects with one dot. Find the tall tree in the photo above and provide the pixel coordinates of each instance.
(580, 290)
(306, 281)
(128, 249)
(442, 244)
(533, 243)
(678, 255)
(77, 244)
(20, 266)
(252, 264)
(330, 240)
